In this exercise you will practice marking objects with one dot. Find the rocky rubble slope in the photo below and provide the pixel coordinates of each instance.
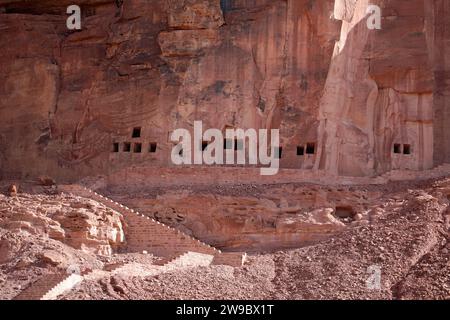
(80, 223)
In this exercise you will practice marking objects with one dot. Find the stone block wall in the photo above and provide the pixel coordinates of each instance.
(42, 286)
(233, 259)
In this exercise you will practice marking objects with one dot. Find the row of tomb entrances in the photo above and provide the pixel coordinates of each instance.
(138, 147)
(135, 147)
(237, 145)
(228, 144)
(402, 149)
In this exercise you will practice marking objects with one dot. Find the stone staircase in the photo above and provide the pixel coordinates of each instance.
(50, 287)
(184, 261)
(189, 260)
(66, 285)
(144, 234)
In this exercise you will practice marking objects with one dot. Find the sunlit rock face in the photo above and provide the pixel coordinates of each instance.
(254, 220)
(357, 102)
(80, 223)
(438, 34)
(383, 83)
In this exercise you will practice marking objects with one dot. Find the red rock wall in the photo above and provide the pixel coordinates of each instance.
(67, 97)
(438, 33)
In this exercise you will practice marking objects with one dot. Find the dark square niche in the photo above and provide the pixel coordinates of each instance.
(153, 146)
(407, 149)
(136, 133)
(137, 148)
(278, 152)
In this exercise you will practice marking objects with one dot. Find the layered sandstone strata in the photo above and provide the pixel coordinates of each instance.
(77, 222)
(254, 218)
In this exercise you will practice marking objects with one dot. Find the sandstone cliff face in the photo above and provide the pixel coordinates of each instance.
(383, 82)
(70, 100)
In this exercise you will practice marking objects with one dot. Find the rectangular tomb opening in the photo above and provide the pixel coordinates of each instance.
(138, 148)
(310, 148)
(153, 146)
(136, 132)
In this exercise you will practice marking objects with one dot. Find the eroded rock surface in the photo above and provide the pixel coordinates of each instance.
(79, 223)
(360, 102)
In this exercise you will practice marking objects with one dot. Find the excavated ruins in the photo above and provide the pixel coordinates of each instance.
(93, 207)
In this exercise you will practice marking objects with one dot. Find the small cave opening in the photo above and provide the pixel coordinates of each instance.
(115, 147)
(127, 147)
(397, 148)
(300, 151)
(278, 152)
(205, 145)
(236, 144)
(153, 146)
(138, 148)
(407, 149)
(310, 148)
(345, 213)
(227, 144)
(136, 132)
